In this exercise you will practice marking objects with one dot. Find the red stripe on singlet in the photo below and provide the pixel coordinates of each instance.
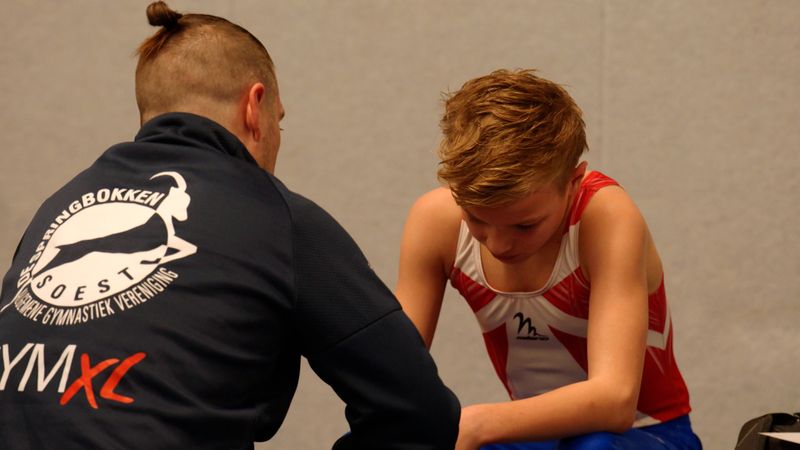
(589, 186)
(570, 295)
(575, 345)
(657, 306)
(497, 347)
(664, 396)
(477, 296)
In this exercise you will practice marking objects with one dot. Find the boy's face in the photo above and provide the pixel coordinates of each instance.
(514, 232)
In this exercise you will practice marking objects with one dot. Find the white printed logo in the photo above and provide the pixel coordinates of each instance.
(103, 254)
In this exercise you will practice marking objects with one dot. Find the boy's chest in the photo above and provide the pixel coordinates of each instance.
(529, 275)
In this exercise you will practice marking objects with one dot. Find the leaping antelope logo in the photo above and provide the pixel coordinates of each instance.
(156, 236)
(112, 244)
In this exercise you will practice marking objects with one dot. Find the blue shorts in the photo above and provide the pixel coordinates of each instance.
(675, 434)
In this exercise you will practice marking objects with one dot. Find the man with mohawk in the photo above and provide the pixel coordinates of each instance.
(176, 316)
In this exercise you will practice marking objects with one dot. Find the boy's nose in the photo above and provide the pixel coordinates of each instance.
(498, 244)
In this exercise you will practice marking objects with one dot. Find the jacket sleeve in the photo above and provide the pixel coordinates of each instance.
(358, 340)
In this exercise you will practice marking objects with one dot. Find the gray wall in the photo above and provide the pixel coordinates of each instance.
(693, 106)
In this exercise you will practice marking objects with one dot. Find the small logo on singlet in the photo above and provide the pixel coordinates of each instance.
(526, 330)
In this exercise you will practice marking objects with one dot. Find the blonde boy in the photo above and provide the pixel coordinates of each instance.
(560, 270)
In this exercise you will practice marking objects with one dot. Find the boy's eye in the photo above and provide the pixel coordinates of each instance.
(525, 226)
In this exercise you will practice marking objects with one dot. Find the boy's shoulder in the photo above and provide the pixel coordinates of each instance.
(609, 211)
(438, 209)
(606, 198)
(436, 219)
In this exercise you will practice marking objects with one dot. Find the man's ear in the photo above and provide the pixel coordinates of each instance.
(252, 114)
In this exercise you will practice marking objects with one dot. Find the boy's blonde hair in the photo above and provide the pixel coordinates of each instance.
(506, 134)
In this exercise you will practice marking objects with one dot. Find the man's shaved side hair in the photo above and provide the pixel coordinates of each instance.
(197, 59)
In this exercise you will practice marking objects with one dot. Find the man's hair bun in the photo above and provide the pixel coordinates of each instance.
(160, 15)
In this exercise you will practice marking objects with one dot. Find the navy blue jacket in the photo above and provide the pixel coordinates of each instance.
(163, 299)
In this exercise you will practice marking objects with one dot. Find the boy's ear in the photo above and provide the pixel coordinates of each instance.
(577, 175)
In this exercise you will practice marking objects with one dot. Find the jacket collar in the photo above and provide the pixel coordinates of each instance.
(180, 128)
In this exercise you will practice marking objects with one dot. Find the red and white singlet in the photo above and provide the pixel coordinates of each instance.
(537, 340)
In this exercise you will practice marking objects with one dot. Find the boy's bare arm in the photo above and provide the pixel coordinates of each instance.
(426, 256)
(615, 251)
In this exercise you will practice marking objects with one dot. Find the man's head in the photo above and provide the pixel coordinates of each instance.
(506, 135)
(209, 66)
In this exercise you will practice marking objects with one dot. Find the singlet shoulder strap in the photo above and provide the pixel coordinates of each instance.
(592, 183)
(463, 258)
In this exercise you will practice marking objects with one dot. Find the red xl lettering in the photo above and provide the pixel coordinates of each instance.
(107, 391)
